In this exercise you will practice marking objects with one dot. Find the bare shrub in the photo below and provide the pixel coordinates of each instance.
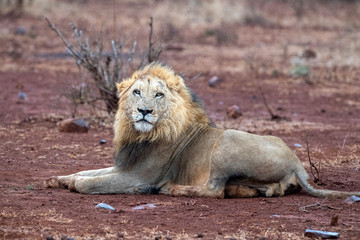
(105, 68)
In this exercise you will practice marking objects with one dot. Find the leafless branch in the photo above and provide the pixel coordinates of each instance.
(314, 170)
(274, 117)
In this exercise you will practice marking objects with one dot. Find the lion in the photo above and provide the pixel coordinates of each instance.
(164, 142)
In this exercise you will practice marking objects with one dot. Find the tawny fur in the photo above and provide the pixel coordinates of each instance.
(164, 142)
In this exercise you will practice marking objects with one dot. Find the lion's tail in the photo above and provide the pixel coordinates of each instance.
(303, 177)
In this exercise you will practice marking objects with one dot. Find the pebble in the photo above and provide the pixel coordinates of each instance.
(104, 206)
(73, 125)
(214, 81)
(297, 145)
(352, 199)
(102, 141)
(234, 112)
(50, 238)
(20, 31)
(157, 237)
(144, 206)
(22, 96)
(321, 234)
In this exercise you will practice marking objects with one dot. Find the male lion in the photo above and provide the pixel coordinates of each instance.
(164, 142)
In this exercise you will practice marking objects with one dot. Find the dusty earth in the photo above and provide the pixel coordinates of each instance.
(255, 49)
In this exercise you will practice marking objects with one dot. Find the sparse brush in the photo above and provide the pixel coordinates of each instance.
(106, 68)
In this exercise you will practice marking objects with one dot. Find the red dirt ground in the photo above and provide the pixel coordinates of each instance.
(326, 104)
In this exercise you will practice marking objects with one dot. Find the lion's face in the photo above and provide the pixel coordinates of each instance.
(155, 105)
(149, 101)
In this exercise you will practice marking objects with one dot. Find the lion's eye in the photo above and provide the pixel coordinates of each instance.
(159, 95)
(136, 92)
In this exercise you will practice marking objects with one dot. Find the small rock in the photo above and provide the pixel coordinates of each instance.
(104, 206)
(144, 206)
(352, 199)
(157, 237)
(308, 53)
(121, 235)
(50, 237)
(214, 81)
(168, 237)
(200, 235)
(102, 141)
(20, 31)
(321, 234)
(73, 125)
(22, 96)
(66, 238)
(297, 145)
(234, 112)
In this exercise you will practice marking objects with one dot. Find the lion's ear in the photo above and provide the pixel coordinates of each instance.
(122, 87)
(175, 83)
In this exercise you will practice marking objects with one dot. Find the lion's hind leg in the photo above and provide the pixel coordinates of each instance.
(240, 191)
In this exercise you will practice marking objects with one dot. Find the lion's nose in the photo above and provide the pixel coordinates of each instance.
(144, 112)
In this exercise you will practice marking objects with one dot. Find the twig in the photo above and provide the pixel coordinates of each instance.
(274, 117)
(150, 41)
(312, 165)
(316, 205)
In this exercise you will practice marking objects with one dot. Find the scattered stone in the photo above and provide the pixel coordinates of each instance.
(66, 238)
(308, 53)
(321, 234)
(121, 235)
(102, 141)
(73, 125)
(234, 112)
(214, 81)
(157, 237)
(298, 145)
(200, 235)
(20, 31)
(352, 199)
(19, 85)
(50, 237)
(144, 206)
(105, 206)
(22, 96)
(168, 237)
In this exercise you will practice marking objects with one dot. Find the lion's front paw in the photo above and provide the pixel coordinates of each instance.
(58, 182)
(52, 182)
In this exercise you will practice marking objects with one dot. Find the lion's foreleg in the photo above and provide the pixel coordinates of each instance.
(106, 184)
(64, 181)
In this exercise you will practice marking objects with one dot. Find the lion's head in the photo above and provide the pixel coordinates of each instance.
(154, 105)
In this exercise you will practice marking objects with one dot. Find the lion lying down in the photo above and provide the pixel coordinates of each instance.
(164, 142)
